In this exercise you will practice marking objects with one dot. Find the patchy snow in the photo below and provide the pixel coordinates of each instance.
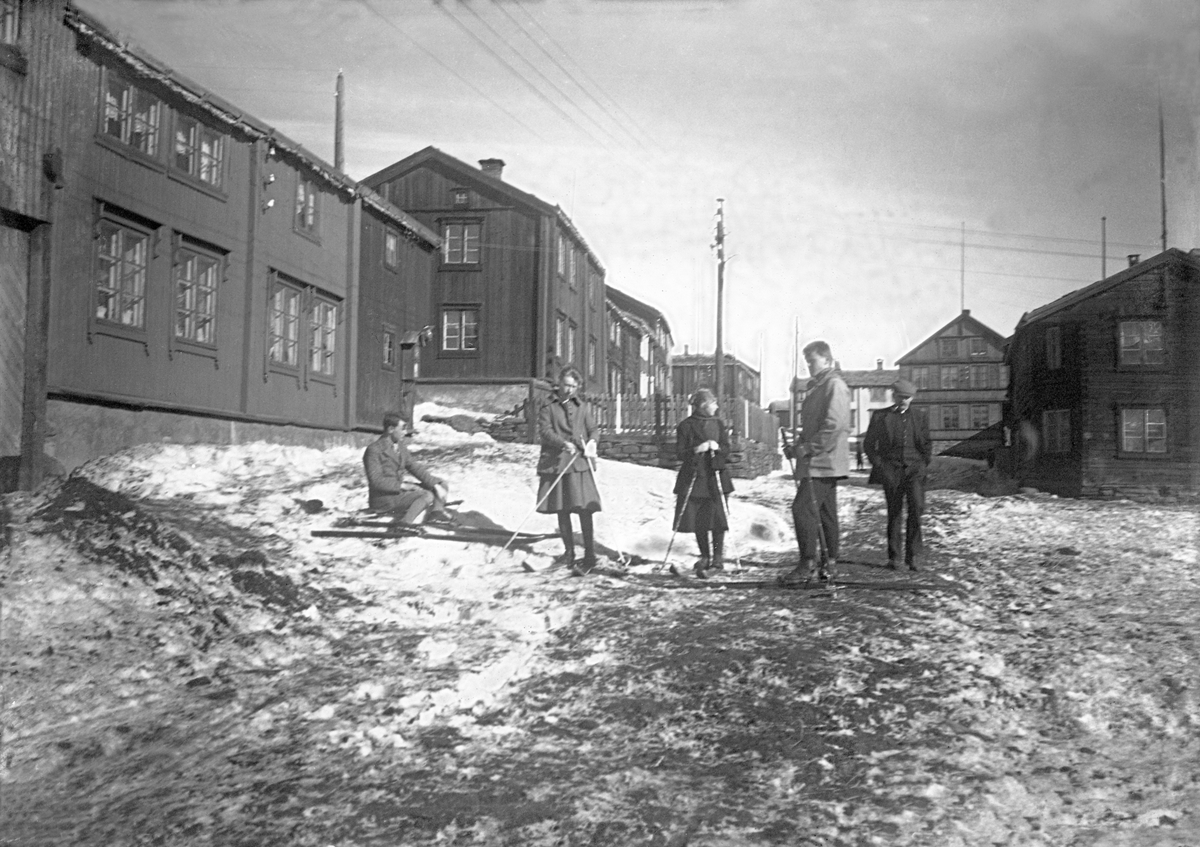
(185, 663)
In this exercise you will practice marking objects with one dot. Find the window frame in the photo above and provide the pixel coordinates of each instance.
(328, 333)
(391, 248)
(560, 335)
(947, 409)
(193, 174)
(1144, 410)
(11, 34)
(462, 309)
(945, 371)
(307, 197)
(976, 341)
(281, 282)
(942, 345)
(1052, 350)
(1122, 363)
(185, 245)
(390, 337)
(107, 215)
(122, 142)
(444, 254)
(592, 358)
(920, 376)
(974, 410)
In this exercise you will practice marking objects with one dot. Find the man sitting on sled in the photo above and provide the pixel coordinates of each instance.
(386, 462)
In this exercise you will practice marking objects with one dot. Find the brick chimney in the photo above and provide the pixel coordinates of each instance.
(492, 167)
(879, 364)
(1134, 258)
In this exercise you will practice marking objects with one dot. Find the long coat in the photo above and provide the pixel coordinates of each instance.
(386, 463)
(691, 432)
(823, 447)
(560, 423)
(884, 443)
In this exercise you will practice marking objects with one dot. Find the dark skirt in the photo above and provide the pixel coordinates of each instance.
(575, 492)
(702, 514)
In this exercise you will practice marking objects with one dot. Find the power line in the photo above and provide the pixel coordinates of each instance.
(456, 74)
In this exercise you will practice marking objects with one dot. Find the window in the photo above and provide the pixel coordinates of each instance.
(1144, 430)
(460, 197)
(980, 376)
(947, 348)
(460, 243)
(560, 332)
(591, 360)
(460, 330)
(196, 277)
(122, 262)
(979, 416)
(562, 254)
(949, 374)
(284, 317)
(199, 151)
(920, 376)
(389, 347)
(977, 346)
(322, 335)
(10, 21)
(571, 329)
(391, 248)
(573, 268)
(131, 116)
(1056, 431)
(1141, 343)
(878, 395)
(614, 331)
(1053, 347)
(949, 417)
(307, 217)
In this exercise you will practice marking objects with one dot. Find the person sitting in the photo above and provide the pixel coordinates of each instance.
(387, 461)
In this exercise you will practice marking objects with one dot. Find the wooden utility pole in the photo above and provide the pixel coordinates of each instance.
(719, 357)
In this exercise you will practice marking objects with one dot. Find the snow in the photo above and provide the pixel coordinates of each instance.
(185, 663)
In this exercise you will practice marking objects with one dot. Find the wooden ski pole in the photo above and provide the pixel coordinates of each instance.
(687, 495)
(537, 506)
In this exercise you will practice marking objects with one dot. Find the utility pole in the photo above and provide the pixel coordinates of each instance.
(339, 128)
(1103, 247)
(1162, 169)
(719, 357)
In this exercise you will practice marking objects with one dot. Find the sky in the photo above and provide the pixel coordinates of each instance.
(882, 163)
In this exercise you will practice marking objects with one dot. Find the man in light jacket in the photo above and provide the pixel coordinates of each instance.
(386, 462)
(822, 455)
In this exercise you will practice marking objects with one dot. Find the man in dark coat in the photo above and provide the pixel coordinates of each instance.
(899, 449)
(386, 462)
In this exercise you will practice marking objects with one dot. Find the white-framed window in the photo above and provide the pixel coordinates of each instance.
(122, 266)
(322, 335)
(1056, 431)
(197, 274)
(130, 115)
(591, 357)
(199, 151)
(460, 243)
(10, 21)
(949, 417)
(920, 376)
(947, 348)
(979, 415)
(460, 330)
(573, 268)
(391, 248)
(560, 336)
(563, 246)
(1053, 348)
(980, 376)
(283, 318)
(571, 348)
(307, 218)
(1144, 430)
(949, 376)
(1142, 343)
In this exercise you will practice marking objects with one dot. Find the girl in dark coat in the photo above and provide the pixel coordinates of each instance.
(568, 437)
(702, 445)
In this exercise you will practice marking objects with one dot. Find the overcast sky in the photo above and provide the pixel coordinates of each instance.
(852, 141)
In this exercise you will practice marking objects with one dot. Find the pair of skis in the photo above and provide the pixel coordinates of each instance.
(373, 528)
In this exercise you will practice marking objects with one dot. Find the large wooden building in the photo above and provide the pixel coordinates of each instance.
(204, 269)
(639, 346)
(690, 371)
(1105, 390)
(517, 292)
(961, 379)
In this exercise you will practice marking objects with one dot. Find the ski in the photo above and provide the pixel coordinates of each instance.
(434, 533)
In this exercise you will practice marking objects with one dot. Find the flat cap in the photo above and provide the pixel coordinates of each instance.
(904, 387)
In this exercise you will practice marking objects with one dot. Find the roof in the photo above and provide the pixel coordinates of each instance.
(964, 318)
(877, 378)
(1171, 254)
(697, 359)
(148, 67)
(633, 320)
(470, 173)
(629, 303)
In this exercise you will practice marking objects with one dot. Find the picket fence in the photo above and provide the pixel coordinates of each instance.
(659, 415)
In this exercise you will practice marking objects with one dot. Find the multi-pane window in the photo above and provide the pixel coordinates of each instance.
(460, 330)
(920, 376)
(979, 416)
(949, 376)
(322, 336)
(284, 317)
(1056, 431)
(572, 268)
(307, 217)
(389, 348)
(591, 360)
(1141, 343)
(122, 261)
(131, 116)
(980, 376)
(1144, 430)
(947, 348)
(196, 277)
(199, 151)
(10, 21)
(1053, 348)
(560, 332)
(460, 244)
(978, 346)
(949, 417)
(571, 330)
(391, 248)
(562, 254)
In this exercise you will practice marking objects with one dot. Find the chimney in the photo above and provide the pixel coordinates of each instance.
(1134, 258)
(492, 167)
(879, 364)
(339, 129)
(685, 352)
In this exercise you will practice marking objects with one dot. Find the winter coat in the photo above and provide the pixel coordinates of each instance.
(559, 423)
(704, 467)
(884, 443)
(823, 446)
(386, 463)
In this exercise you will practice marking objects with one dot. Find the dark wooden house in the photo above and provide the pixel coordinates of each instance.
(639, 346)
(517, 292)
(961, 379)
(690, 371)
(1105, 390)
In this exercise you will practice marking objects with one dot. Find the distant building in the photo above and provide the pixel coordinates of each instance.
(691, 371)
(868, 391)
(1105, 390)
(961, 379)
(639, 346)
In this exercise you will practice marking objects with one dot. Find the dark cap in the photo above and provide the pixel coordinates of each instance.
(904, 388)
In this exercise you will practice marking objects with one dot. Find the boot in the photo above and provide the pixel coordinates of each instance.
(701, 567)
(802, 574)
(825, 574)
(718, 557)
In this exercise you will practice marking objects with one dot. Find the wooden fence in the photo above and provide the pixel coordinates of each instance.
(659, 415)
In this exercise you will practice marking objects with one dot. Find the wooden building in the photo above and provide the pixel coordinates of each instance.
(639, 346)
(204, 268)
(1105, 390)
(869, 390)
(690, 371)
(961, 379)
(517, 292)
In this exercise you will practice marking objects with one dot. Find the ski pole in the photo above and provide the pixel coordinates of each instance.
(678, 514)
(537, 506)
